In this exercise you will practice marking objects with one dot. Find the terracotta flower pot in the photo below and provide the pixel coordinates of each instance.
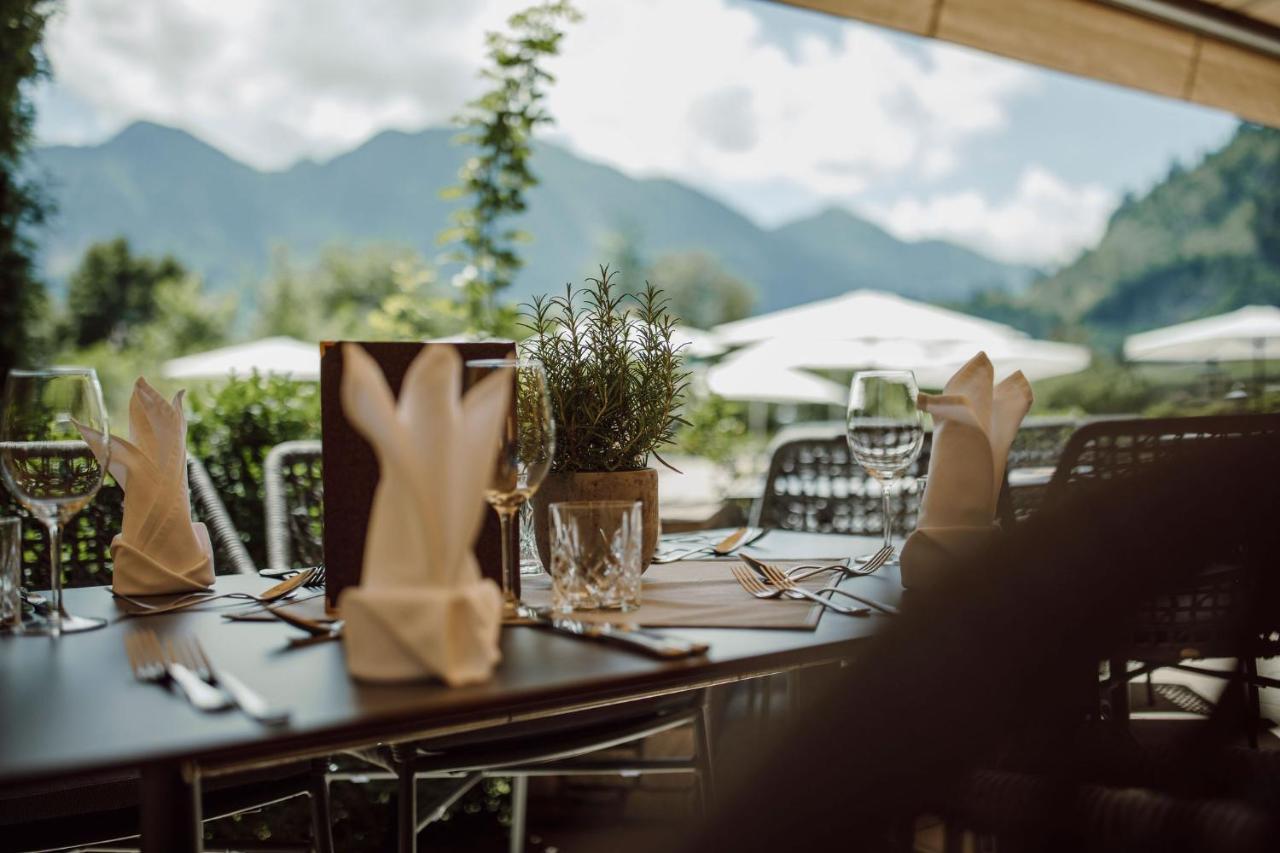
(598, 486)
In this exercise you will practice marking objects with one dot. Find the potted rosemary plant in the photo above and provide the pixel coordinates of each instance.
(616, 380)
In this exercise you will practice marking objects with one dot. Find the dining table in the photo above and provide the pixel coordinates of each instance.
(71, 705)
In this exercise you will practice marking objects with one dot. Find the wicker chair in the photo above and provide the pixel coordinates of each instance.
(86, 540)
(815, 485)
(1032, 457)
(293, 491)
(1217, 615)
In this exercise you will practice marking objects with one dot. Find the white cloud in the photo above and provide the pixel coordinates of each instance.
(691, 89)
(1044, 220)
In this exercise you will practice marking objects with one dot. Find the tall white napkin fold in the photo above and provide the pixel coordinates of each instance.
(160, 549)
(974, 424)
(422, 608)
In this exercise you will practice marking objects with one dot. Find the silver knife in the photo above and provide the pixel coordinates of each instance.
(647, 642)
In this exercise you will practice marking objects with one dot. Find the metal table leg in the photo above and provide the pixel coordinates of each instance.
(169, 797)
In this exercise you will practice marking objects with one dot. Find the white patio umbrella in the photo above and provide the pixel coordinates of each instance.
(865, 315)
(750, 382)
(280, 356)
(933, 362)
(1241, 335)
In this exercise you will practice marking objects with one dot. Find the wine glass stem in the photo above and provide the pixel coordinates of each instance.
(510, 567)
(55, 575)
(888, 514)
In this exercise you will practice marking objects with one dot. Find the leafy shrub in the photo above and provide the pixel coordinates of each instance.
(231, 428)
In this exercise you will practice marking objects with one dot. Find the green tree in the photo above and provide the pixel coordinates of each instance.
(499, 127)
(112, 293)
(701, 291)
(22, 298)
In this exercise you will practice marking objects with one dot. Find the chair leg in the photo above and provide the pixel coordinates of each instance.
(406, 809)
(321, 829)
(519, 813)
(703, 753)
(1253, 706)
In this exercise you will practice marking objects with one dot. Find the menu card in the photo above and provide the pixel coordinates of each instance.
(351, 469)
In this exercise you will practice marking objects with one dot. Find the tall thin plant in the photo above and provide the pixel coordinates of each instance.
(498, 127)
(615, 375)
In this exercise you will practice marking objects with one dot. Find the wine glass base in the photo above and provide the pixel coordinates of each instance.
(66, 625)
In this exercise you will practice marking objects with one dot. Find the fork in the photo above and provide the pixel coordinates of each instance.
(779, 579)
(804, 572)
(274, 593)
(149, 662)
(756, 587)
(244, 696)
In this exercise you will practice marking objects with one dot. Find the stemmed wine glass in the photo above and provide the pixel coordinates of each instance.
(524, 457)
(48, 465)
(885, 430)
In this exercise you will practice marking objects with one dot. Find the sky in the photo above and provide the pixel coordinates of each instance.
(779, 112)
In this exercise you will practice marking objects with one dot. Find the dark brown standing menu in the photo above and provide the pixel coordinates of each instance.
(351, 469)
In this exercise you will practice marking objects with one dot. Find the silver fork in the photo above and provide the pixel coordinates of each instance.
(149, 662)
(787, 585)
(756, 587)
(804, 572)
(244, 696)
(275, 593)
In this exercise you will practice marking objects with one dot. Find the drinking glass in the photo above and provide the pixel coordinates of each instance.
(49, 467)
(885, 430)
(10, 575)
(595, 555)
(524, 455)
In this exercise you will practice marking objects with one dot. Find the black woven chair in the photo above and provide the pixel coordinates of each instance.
(1218, 613)
(86, 540)
(1032, 458)
(815, 485)
(294, 489)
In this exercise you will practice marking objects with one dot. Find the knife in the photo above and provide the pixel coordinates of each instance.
(647, 642)
(740, 538)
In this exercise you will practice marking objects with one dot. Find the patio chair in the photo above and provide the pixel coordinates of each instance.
(294, 488)
(815, 485)
(293, 493)
(1032, 458)
(86, 540)
(1215, 615)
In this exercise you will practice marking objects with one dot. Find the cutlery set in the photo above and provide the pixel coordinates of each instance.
(766, 581)
(181, 662)
(739, 538)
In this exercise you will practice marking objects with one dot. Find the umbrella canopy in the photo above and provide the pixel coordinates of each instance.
(932, 362)
(865, 315)
(747, 378)
(1241, 335)
(697, 342)
(280, 356)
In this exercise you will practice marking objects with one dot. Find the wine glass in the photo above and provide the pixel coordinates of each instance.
(885, 430)
(48, 465)
(524, 457)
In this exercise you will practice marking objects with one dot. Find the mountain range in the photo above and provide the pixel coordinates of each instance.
(168, 192)
(1203, 241)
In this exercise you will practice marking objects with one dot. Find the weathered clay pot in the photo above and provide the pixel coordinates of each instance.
(598, 486)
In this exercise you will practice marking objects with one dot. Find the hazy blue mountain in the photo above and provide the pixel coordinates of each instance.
(169, 192)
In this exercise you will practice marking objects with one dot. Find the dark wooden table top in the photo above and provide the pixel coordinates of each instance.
(72, 705)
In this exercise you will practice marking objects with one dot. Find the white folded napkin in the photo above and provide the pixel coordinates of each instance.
(422, 608)
(160, 549)
(974, 425)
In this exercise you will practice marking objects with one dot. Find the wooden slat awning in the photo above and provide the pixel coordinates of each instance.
(1223, 54)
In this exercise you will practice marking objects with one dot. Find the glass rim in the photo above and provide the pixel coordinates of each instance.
(27, 372)
(503, 362)
(887, 372)
(597, 504)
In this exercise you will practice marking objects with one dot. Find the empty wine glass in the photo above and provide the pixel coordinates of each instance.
(48, 465)
(524, 456)
(885, 430)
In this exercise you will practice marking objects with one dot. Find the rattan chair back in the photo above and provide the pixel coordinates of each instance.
(293, 490)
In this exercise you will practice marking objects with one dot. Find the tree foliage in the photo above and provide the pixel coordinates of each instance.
(499, 127)
(22, 298)
(112, 293)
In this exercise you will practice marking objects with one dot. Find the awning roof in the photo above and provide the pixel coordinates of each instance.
(1223, 54)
